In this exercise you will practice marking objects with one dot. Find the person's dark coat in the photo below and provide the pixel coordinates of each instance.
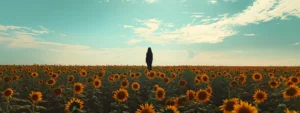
(149, 59)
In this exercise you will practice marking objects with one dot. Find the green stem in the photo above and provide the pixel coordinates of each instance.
(7, 107)
(33, 108)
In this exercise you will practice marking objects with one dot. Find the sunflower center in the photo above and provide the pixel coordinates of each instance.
(160, 94)
(295, 80)
(202, 95)
(50, 81)
(146, 110)
(77, 88)
(260, 96)
(97, 83)
(121, 95)
(257, 76)
(291, 92)
(244, 110)
(135, 86)
(204, 78)
(229, 106)
(124, 83)
(57, 91)
(273, 83)
(7, 93)
(191, 96)
(34, 97)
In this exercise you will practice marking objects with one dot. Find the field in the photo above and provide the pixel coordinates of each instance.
(165, 89)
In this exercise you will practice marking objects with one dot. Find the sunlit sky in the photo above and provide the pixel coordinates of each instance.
(180, 32)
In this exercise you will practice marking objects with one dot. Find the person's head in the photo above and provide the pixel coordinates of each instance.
(149, 49)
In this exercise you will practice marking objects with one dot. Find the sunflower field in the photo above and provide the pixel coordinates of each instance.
(134, 89)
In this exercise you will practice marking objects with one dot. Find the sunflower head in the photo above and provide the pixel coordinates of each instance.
(97, 83)
(124, 84)
(146, 108)
(171, 109)
(78, 88)
(121, 95)
(244, 107)
(57, 91)
(190, 95)
(70, 78)
(202, 96)
(273, 84)
(73, 104)
(260, 96)
(160, 94)
(209, 89)
(135, 86)
(182, 83)
(291, 92)
(8, 93)
(51, 82)
(171, 102)
(228, 105)
(35, 96)
(256, 76)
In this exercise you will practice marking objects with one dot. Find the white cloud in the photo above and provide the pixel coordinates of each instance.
(214, 30)
(150, 1)
(133, 41)
(63, 35)
(296, 43)
(230, 0)
(212, 1)
(127, 26)
(249, 34)
(170, 25)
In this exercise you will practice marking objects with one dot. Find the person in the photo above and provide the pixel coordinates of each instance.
(149, 59)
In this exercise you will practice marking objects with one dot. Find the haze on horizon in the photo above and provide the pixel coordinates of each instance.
(180, 32)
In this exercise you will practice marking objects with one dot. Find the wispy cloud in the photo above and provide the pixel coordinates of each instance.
(223, 26)
(296, 44)
(212, 1)
(249, 34)
(133, 41)
(230, 0)
(63, 34)
(150, 1)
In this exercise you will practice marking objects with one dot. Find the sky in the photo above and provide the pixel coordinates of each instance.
(180, 32)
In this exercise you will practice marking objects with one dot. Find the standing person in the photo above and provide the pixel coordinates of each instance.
(149, 59)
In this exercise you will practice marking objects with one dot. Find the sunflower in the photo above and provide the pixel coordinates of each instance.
(288, 83)
(151, 75)
(294, 79)
(160, 93)
(182, 83)
(73, 103)
(291, 92)
(41, 81)
(121, 95)
(82, 72)
(171, 102)
(35, 96)
(173, 75)
(273, 84)
(162, 75)
(202, 96)
(55, 75)
(111, 79)
(233, 83)
(70, 78)
(209, 89)
(135, 86)
(181, 101)
(213, 76)
(8, 93)
(90, 80)
(242, 79)
(116, 76)
(197, 81)
(171, 109)
(190, 95)
(244, 107)
(132, 75)
(146, 108)
(34, 74)
(288, 111)
(51, 82)
(124, 84)
(259, 96)
(166, 80)
(228, 105)
(204, 78)
(257, 76)
(57, 91)
(97, 83)
(78, 88)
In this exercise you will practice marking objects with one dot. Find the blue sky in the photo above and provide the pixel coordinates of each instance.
(180, 32)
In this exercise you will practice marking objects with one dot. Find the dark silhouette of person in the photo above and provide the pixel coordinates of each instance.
(149, 59)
